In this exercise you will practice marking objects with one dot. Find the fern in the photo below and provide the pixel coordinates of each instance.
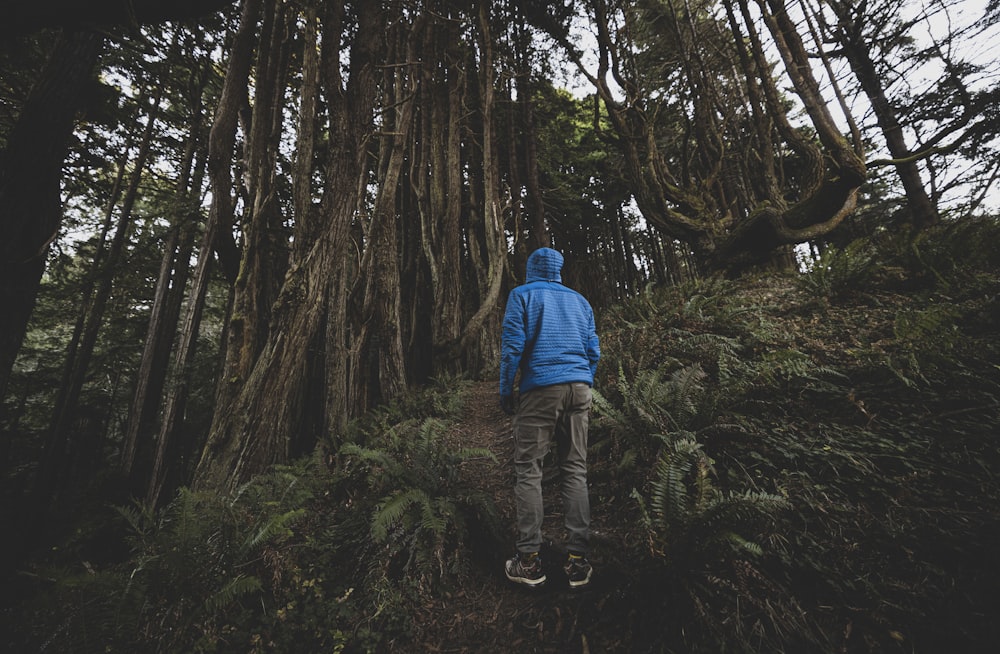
(604, 407)
(276, 525)
(423, 511)
(141, 521)
(933, 327)
(837, 272)
(952, 256)
(391, 511)
(239, 586)
(926, 341)
(688, 518)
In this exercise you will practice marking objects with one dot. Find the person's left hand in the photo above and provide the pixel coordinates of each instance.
(507, 404)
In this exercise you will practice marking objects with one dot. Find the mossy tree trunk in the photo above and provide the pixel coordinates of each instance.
(258, 426)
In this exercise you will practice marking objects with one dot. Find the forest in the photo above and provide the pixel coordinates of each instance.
(254, 259)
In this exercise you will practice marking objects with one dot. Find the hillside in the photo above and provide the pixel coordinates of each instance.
(785, 463)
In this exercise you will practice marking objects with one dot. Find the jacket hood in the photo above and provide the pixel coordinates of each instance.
(544, 265)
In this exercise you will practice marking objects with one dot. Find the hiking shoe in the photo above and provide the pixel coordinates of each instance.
(578, 571)
(525, 569)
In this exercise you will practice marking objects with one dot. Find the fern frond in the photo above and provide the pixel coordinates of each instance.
(392, 509)
(369, 455)
(643, 511)
(742, 544)
(603, 407)
(434, 516)
(275, 525)
(236, 588)
(670, 507)
(469, 453)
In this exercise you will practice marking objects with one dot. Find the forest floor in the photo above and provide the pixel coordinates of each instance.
(490, 614)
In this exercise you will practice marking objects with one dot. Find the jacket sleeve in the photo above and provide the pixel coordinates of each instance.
(511, 343)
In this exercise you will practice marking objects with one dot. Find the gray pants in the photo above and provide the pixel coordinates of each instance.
(559, 414)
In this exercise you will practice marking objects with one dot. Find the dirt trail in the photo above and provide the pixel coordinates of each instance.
(489, 614)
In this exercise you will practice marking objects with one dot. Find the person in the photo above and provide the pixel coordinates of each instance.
(549, 337)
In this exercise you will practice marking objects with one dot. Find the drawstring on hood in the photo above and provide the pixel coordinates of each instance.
(544, 265)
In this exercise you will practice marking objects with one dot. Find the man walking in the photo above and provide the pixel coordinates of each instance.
(549, 336)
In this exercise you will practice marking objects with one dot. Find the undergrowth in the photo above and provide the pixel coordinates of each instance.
(843, 421)
(811, 460)
(313, 556)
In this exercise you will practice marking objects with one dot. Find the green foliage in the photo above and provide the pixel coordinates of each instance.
(656, 402)
(925, 339)
(424, 512)
(692, 524)
(835, 457)
(303, 558)
(952, 256)
(200, 569)
(659, 402)
(839, 271)
(442, 398)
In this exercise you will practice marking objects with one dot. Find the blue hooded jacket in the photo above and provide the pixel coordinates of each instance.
(548, 330)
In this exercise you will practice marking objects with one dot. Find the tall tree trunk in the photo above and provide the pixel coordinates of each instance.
(306, 226)
(95, 273)
(58, 446)
(923, 211)
(436, 179)
(264, 254)
(222, 139)
(256, 430)
(538, 233)
(494, 243)
(30, 174)
(382, 319)
(175, 402)
(221, 144)
(165, 314)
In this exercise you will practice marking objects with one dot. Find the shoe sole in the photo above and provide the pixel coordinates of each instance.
(581, 584)
(524, 581)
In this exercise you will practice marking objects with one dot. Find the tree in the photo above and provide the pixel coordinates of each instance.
(731, 213)
(58, 446)
(879, 64)
(30, 172)
(257, 426)
(31, 163)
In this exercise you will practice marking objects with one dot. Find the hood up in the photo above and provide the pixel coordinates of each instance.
(544, 265)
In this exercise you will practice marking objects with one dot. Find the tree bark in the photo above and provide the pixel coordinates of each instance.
(436, 180)
(264, 252)
(30, 173)
(381, 314)
(256, 430)
(175, 270)
(306, 220)
(494, 241)
(221, 145)
(538, 232)
(53, 468)
(175, 402)
(856, 49)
